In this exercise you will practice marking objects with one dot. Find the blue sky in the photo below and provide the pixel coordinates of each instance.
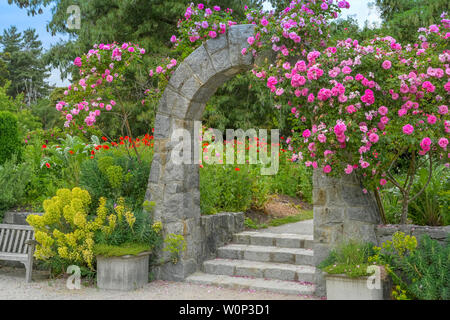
(13, 15)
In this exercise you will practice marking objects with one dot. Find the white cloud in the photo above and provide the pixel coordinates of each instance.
(55, 79)
(358, 8)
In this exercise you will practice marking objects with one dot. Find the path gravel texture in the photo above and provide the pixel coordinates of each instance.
(14, 287)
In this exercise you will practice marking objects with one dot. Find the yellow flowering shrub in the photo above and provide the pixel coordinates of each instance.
(68, 232)
(64, 229)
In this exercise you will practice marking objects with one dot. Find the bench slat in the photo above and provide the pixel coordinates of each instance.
(5, 240)
(24, 248)
(22, 241)
(2, 233)
(12, 237)
(19, 234)
(14, 246)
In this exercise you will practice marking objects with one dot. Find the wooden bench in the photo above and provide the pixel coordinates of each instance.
(17, 244)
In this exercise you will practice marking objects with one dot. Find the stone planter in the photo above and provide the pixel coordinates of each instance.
(123, 273)
(341, 287)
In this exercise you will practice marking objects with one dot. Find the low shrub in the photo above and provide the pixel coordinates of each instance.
(132, 249)
(430, 208)
(13, 182)
(292, 179)
(125, 229)
(10, 143)
(65, 233)
(350, 258)
(225, 188)
(113, 174)
(418, 271)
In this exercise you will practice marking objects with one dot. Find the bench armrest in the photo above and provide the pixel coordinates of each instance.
(31, 242)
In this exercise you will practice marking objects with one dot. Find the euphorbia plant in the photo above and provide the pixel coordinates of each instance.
(101, 87)
(357, 107)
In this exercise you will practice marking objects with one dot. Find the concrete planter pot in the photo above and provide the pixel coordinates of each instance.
(124, 273)
(342, 287)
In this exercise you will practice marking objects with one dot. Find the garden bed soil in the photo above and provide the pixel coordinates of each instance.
(279, 206)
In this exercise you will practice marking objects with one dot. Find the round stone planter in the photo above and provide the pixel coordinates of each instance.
(123, 273)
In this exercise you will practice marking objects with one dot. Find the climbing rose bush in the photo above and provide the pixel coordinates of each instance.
(301, 25)
(102, 72)
(200, 23)
(357, 107)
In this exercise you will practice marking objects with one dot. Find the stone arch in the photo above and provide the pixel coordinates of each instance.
(175, 188)
(341, 210)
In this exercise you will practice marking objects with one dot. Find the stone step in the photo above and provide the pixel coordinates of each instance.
(277, 286)
(266, 270)
(282, 240)
(266, 254)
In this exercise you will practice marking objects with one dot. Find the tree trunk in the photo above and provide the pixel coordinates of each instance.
(405, 204)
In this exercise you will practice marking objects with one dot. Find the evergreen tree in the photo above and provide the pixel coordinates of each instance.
(4, 74)
(26, 70)
(404, 17)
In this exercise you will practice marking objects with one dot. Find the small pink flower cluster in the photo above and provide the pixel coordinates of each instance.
(165, 69)
(203, 23)
(97, 72)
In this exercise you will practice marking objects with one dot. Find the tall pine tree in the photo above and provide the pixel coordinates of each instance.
(26, 69)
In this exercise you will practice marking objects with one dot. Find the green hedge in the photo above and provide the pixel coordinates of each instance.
(9, 137)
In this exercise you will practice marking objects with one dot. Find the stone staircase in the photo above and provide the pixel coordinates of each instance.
(275, 262)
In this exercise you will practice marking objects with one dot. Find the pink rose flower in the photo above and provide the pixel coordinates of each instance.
(373, 137)
(431, 119)
(383, 110)
(349, 169)
(408, 129)
(443, 142)
(77, 62)
(386, 65)
(443, 109)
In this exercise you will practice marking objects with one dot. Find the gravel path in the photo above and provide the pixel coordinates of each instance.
(14, 287)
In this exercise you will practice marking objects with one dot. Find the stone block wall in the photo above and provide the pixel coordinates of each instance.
(385, 232)
(212, 232)
(217, 230)
(17, 217)
(341, 212)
